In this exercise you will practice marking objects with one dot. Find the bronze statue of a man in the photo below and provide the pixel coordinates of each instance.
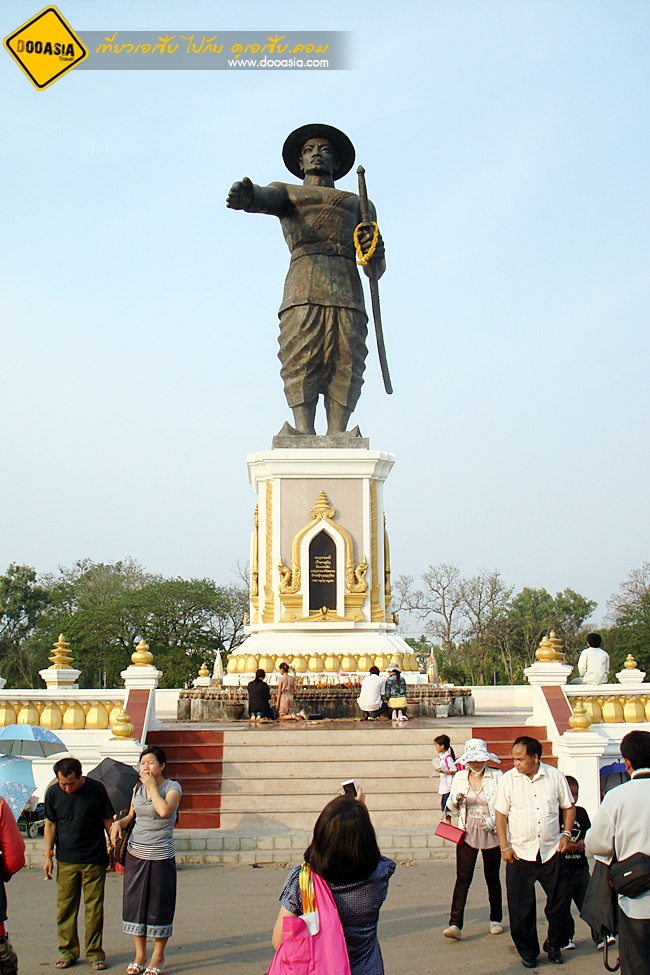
(323, 321)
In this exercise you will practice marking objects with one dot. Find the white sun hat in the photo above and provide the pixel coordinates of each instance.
(476, 751)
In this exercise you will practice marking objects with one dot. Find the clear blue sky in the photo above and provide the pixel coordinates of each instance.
(506, 148)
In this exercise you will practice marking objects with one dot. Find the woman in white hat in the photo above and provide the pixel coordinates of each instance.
(473, 794)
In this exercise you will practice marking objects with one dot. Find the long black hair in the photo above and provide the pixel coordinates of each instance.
(445, 741)
(344, 846)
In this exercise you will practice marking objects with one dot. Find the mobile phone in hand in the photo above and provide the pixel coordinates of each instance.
(349, 788)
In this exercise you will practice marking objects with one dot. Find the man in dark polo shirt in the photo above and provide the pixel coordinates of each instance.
(78, 816)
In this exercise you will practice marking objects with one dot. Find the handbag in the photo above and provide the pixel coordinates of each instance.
(631, 877)
(448, 832)
(119, 850)
(322, 952)
(397, 702)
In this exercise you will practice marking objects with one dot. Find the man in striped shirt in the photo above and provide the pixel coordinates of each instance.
(528, 800)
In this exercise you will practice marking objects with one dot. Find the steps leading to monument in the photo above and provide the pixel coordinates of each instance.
(268, 780)
(499, 741)
(195, 758)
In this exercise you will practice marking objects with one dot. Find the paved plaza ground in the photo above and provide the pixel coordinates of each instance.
(225, 914)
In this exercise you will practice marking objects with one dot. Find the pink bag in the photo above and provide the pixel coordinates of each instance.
(323, 953)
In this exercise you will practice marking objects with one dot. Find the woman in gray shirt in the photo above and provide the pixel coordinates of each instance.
(149, 898)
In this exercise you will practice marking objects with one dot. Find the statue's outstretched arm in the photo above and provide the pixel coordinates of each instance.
(246, 195)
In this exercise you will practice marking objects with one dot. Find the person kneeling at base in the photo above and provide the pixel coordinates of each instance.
(370, 699)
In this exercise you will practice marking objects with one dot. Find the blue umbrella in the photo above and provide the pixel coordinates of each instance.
(16, 782)
(29, 741)
(613, 775)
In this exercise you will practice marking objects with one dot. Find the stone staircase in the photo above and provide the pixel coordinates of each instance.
(195, 759)
(499, 741)
(251, 794)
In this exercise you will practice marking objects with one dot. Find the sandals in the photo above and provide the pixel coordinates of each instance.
(65, 962)
(135, 968)
(99, 965)
(154, 971)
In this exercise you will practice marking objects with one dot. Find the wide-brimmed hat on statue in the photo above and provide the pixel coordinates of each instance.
(476, 751)
(292, 147)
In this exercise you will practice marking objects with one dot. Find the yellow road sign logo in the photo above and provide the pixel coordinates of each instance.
(45, 47)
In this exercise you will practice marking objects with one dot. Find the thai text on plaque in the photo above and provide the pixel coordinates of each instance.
(322, 573)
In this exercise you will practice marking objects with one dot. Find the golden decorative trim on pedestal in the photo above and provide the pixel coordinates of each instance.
(388, 589)
(122, 728)
(580, 719)
(550, 649)
(267, 614)
(61, 658)
(592, 707)
(633, 709)
(289, 578)
(612, 710)
(255, 565)
(142, 656)
(356, 584)
(376, 612)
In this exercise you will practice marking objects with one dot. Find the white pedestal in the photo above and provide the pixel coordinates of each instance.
(578, 754)
(631, 678)
(320, 560)
(125, 750)
(143, 678)
(203, 682)
(548, 674)
(60, 678)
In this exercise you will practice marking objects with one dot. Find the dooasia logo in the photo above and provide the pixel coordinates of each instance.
(45, 47)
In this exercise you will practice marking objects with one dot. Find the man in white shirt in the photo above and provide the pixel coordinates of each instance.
(527, 806)
(622, 827)
(593, 664)
(369, 700)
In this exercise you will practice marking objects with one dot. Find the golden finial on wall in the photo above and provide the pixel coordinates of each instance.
(203, 670)
(122, 729)
(630, 663)
(142, 657)
(322, 507)
(580, 719)
(61, 657)
(550, 649)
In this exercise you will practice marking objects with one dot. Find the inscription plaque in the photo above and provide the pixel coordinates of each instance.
(322, 572)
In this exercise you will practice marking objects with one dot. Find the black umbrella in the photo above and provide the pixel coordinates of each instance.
(118, 779)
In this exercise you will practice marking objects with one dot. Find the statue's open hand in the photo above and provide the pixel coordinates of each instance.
(240, 195)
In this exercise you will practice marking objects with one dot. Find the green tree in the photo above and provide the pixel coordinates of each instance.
(22, 603)
(485, 634)
(104, 610)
